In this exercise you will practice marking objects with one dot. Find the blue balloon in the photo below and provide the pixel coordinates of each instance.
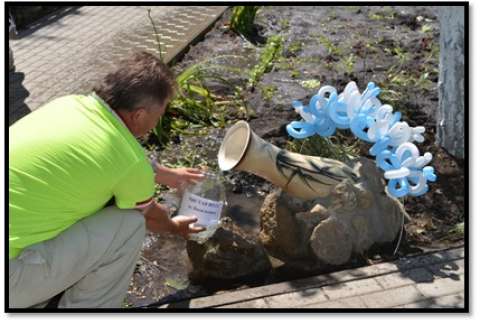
(326, 128)
(300, 130)
(429, 173)
(396, 117)
(401, 190)
(379, 146)
(358, 125)
(338, 112)
(312, 106)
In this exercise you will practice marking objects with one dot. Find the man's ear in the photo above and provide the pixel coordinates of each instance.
(139, 115)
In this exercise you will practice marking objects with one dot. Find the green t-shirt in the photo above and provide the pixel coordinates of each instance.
(66, 160)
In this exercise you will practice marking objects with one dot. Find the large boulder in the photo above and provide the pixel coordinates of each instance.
(328, 231)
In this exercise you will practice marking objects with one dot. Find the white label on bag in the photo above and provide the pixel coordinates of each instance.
(207, 211)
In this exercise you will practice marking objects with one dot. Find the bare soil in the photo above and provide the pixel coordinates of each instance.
(395, 47)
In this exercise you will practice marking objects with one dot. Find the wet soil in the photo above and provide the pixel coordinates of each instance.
(396, 47)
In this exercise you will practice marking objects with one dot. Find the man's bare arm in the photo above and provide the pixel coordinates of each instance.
(158, 220)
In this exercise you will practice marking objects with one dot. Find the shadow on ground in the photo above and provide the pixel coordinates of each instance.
(53, 17)
(17, 93)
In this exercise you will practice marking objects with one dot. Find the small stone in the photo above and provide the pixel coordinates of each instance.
(237, 188)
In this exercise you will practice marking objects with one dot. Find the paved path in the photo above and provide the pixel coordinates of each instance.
(434, 280)
(67, 51)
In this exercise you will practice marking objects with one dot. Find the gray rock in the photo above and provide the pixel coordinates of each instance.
(228, 254)
(329, 230)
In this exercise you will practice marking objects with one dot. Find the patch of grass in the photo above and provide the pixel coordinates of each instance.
(294, 48)
(389, 96)
(295, 74)
(424, 83)
(195, 106)
(388, 13)
(268, 91)
(283, 64)
(333, 147)
(242, 20)
(332, 15)
(284, 24)
(348, 63)
(426, 28)
(401, 79)
(310, 84)
(269, 54)
(375, 16)
(332, 49)
(458, 230)
(190, 157)
(353, 8)
(371, 47)
(402, 56)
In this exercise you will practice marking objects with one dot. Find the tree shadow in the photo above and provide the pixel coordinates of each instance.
(53, 17)
(17, 94)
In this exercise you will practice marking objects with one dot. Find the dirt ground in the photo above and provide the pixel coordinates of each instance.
(395, 47)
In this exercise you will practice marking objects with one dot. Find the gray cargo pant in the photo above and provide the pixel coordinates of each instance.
(92, 261)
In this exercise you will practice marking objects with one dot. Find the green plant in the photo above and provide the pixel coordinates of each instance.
(156, 33)
(375, 16)
(294, 48)
(284, 24)
(426, 28)
(389, 96)
(328, 147)
(353, 9)
(310, 84)
(242, 20)
(402, 56)
(268, 91)
(332, 15)
(269, 54)
(195, 105)
(348, 63)
(388, 13)
(424, 83)
(295, 74)
(332, 49)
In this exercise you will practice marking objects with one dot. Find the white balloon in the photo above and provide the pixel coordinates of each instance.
(423, 160)
(323, 90)
(407, 147)
(397, 173)
(420, 184)
(417, 134)
(400, 133)
(350, 88)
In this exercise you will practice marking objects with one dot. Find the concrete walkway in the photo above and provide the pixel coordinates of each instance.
(434, 280)
(66, 52)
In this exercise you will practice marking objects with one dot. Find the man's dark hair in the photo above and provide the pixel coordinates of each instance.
(142, 78)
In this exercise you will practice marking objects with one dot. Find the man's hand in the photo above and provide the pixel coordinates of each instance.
(183, 226)
(157, 220)
(177, 178)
